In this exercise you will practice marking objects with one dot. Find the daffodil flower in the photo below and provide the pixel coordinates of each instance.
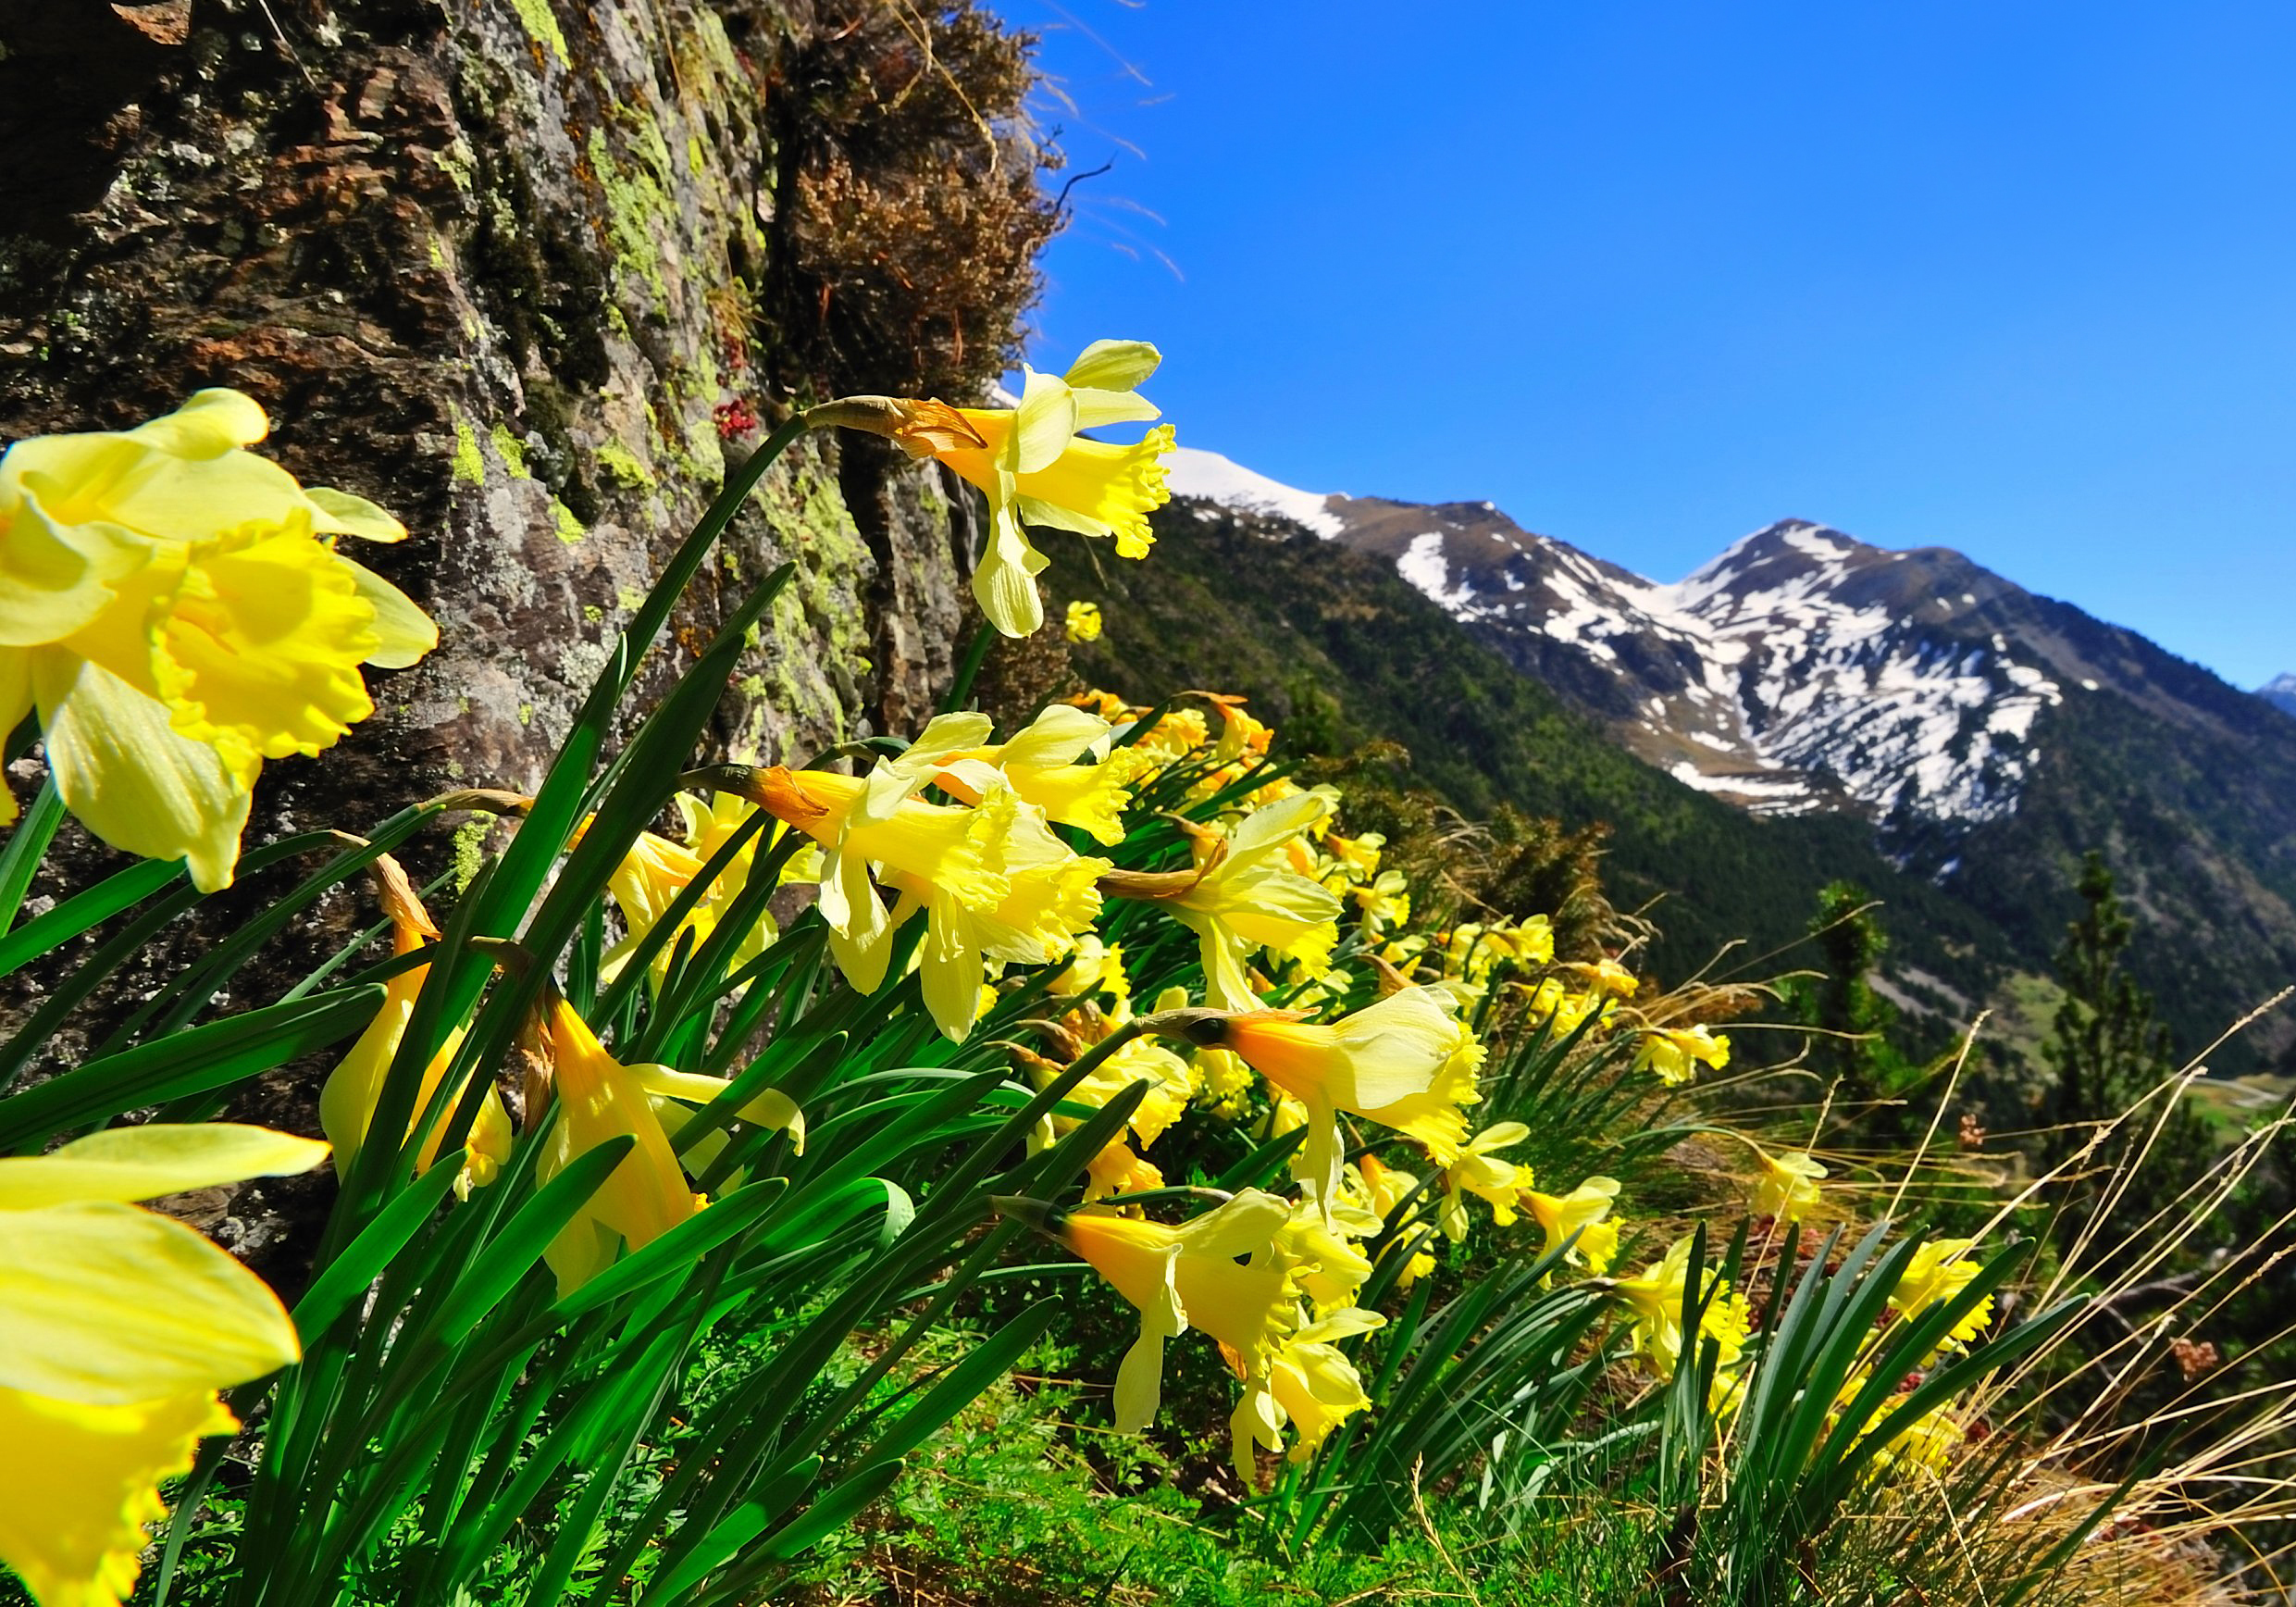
(1242, 898)
(1192, 1276)
(1941, 1269)
(930, 844)
(1788, 1187)
(1605, 975)
(117, 1328)
(1117, 1170)
(1478, 1170)
(1330, 1269)
(1313, 1384)
(1585, 1210)
(1083, 622)
(600, 1099)
(1042, 764)
(1036, 468)
(1096, 968)
(347, 1102)
(655, 872)
(1405, 1063)
(1655, 1297)
(1387, 1188)
(1675, 1053)
(173, 608)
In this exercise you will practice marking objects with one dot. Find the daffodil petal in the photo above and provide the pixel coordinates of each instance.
(133, 779)
(1114, 365)
(128, 1163)
(56, 577)
(353, 516)
(79, 1485)
(209, 425)
(1005, 584)
(403, 633)
(1097, 408)
(1043, 425)
(108, 1306)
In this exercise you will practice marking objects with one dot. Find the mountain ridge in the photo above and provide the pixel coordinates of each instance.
(1983, 735)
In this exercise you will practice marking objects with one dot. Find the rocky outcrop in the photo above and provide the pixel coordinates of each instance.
(497, 264)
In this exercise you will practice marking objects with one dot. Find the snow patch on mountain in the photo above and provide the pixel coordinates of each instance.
(2280, 693)
(1190, 471)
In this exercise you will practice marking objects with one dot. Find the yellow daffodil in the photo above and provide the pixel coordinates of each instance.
(931, 844)
(1192, 1276)
(1314, 1385)
(173, 608)
(1585, 1210)
(1387, 1188)
(1564, 1010)
(656, 871)
(598, 1099)
(1477, 1169)
(1117, 1169)
(1223, 1083)
(997, 886)
(1405, 1063)
(1386, 901)
(1242, 898)
(1036, 468)
(347, 1102)
(1098, 968)
(1787, 1187)
(1042, 764)
(1357, 856)
(1599, 1244)
(117, 1328)
(1675, 1053)
(1083, 623)
(1654, 1298)
(1473, 950)
(1941, 1269)
(1330, 1269)
(1924, 1448)
(1241, 736)
(1605, 975)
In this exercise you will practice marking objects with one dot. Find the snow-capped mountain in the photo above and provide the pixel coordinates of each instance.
(1801, 670)
(1808, 708)
(2280, 693)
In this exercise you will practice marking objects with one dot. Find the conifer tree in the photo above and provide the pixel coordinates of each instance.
(1852, 1047)
(2107, 1052)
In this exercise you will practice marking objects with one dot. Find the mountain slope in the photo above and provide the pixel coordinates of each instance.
(1936, 716)
(2280, 693)
(1235, 600)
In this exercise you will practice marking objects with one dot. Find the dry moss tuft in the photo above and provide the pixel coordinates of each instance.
(907, 204)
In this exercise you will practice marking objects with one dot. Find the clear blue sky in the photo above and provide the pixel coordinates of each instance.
(2018, 279)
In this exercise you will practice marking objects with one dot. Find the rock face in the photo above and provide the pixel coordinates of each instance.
(494, 264)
